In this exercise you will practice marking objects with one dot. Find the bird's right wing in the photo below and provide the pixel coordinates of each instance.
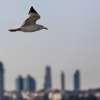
(33, 17)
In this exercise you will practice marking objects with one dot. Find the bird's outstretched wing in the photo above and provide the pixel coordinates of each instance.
(33, 17)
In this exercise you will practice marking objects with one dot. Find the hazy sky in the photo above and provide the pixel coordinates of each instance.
(72, 41)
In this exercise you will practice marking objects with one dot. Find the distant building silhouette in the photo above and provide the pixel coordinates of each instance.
(1, 78)
(62, 81)
(19, 83)
(77, 80)
(48, 83)
(29, 83)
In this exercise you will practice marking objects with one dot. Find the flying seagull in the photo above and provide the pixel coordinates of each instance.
(29, 24)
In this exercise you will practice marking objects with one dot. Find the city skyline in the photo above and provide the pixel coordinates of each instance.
(2, 81)
(71, 42)
(48, 78)
(19, 83)
(63, 83)
(77, 80)
(30, 84)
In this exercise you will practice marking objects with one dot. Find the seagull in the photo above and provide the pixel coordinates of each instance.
(29, 24)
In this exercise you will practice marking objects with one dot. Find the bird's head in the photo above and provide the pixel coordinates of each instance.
(42, 27)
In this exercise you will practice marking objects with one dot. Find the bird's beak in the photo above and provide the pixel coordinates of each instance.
(45, 28)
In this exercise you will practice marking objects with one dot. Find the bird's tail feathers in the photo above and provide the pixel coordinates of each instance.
(14, 30)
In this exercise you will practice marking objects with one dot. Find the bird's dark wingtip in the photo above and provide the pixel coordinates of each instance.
(32, 10)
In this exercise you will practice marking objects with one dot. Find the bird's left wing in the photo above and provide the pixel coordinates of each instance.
(33, 17)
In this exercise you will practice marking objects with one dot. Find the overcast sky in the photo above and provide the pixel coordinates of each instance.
(72, 41)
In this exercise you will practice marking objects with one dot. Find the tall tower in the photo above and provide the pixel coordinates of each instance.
(1, 78)
(29, 84)
(62, 81)
(47, 83)
(19, 83)
(77, 80)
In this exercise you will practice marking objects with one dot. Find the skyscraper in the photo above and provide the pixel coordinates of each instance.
(62, 81)
(29, 83)
(19, 83)
(1, 78)
(47, 83)
(77, 80)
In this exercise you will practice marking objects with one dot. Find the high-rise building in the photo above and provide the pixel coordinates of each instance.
(62, 81)
(48, 83)
(77, 80)
(19, 83)
(29, 83)
(1, 78)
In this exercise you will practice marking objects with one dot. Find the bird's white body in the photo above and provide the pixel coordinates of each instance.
(30, 28)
